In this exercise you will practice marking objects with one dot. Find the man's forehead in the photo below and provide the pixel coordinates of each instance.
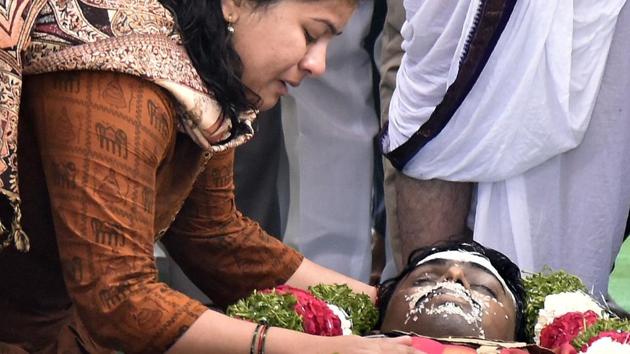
(474, 260)
(444, 262)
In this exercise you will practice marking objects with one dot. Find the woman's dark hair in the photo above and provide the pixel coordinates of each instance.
(509, 271)
(207, 41)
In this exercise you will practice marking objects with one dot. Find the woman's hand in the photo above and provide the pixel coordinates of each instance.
(360, 345)
(346, 345)
(215, 333)
(309, 273)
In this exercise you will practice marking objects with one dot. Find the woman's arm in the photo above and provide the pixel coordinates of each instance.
(228, 255)
(218, 334)
(224, 253)
(309, 273)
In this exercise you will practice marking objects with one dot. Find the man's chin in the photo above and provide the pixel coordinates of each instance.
(442, 325)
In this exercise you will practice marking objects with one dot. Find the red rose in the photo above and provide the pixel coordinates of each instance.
(619, 337)
(565, 328)
(317, 317)
(565, 348)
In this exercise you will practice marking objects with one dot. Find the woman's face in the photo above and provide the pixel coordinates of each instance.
(443, 298)
(282, 43)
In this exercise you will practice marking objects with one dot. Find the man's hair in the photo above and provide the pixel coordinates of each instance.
(509, 271)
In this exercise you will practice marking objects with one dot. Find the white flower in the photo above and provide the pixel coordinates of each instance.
(557, 305)
(606, 345)
(346, 323)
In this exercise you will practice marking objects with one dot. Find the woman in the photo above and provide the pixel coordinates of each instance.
(126, 136)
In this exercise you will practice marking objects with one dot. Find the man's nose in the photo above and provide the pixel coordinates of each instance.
(314, 61)
(456, 274)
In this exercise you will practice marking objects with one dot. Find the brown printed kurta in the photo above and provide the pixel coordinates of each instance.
(104, 170)
(136, 37)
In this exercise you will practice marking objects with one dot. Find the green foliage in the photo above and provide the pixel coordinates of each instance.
(359, 308)
(272, 309)
(279, 310)
(539, 285)
(604, 325)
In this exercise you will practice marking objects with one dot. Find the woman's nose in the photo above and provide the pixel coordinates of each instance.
(314, 61)
(456, 274)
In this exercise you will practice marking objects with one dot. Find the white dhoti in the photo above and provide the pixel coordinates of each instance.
(545, 130)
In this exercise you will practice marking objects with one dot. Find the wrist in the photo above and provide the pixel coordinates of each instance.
(374, 295)
(284, 341)
(259, 339)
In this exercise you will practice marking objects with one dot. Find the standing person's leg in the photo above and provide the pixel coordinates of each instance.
(429, 212)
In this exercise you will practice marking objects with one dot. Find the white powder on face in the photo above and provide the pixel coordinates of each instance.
(418, 301)
(469, 257)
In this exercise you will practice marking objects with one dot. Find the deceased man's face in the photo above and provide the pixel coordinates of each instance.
(452, 298)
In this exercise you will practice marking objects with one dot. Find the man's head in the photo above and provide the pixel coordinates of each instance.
(456, 289)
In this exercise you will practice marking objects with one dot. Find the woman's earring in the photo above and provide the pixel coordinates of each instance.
(230, 26)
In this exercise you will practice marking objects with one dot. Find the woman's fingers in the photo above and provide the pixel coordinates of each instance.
(406, 340)
(401, 345)
(359, 345)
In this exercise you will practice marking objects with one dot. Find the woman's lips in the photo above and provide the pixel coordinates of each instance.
(284, 89)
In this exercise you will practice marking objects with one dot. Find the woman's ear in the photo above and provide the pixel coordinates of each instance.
(231, 10)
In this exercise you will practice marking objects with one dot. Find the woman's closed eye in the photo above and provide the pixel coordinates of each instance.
(310, 39)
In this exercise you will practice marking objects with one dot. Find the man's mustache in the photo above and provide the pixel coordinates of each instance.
(440, 289)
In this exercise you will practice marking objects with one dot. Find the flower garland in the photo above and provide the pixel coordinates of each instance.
(363, 314)
(326, 310)
(540, 285)
(561, 316)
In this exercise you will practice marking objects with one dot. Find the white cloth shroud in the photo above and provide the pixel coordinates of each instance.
(532, 103)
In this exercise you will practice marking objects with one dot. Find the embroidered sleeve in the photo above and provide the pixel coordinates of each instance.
(224, 253)
(96, 126)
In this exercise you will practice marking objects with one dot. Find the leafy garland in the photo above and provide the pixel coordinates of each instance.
(581, 335)
(271, 308)
(603, 325)
(359, 307)
(278, 310)
(540, 285)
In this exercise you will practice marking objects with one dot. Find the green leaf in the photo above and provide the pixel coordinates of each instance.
(359, 307)
(604, 325)
(270, 308)
(540, 285)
